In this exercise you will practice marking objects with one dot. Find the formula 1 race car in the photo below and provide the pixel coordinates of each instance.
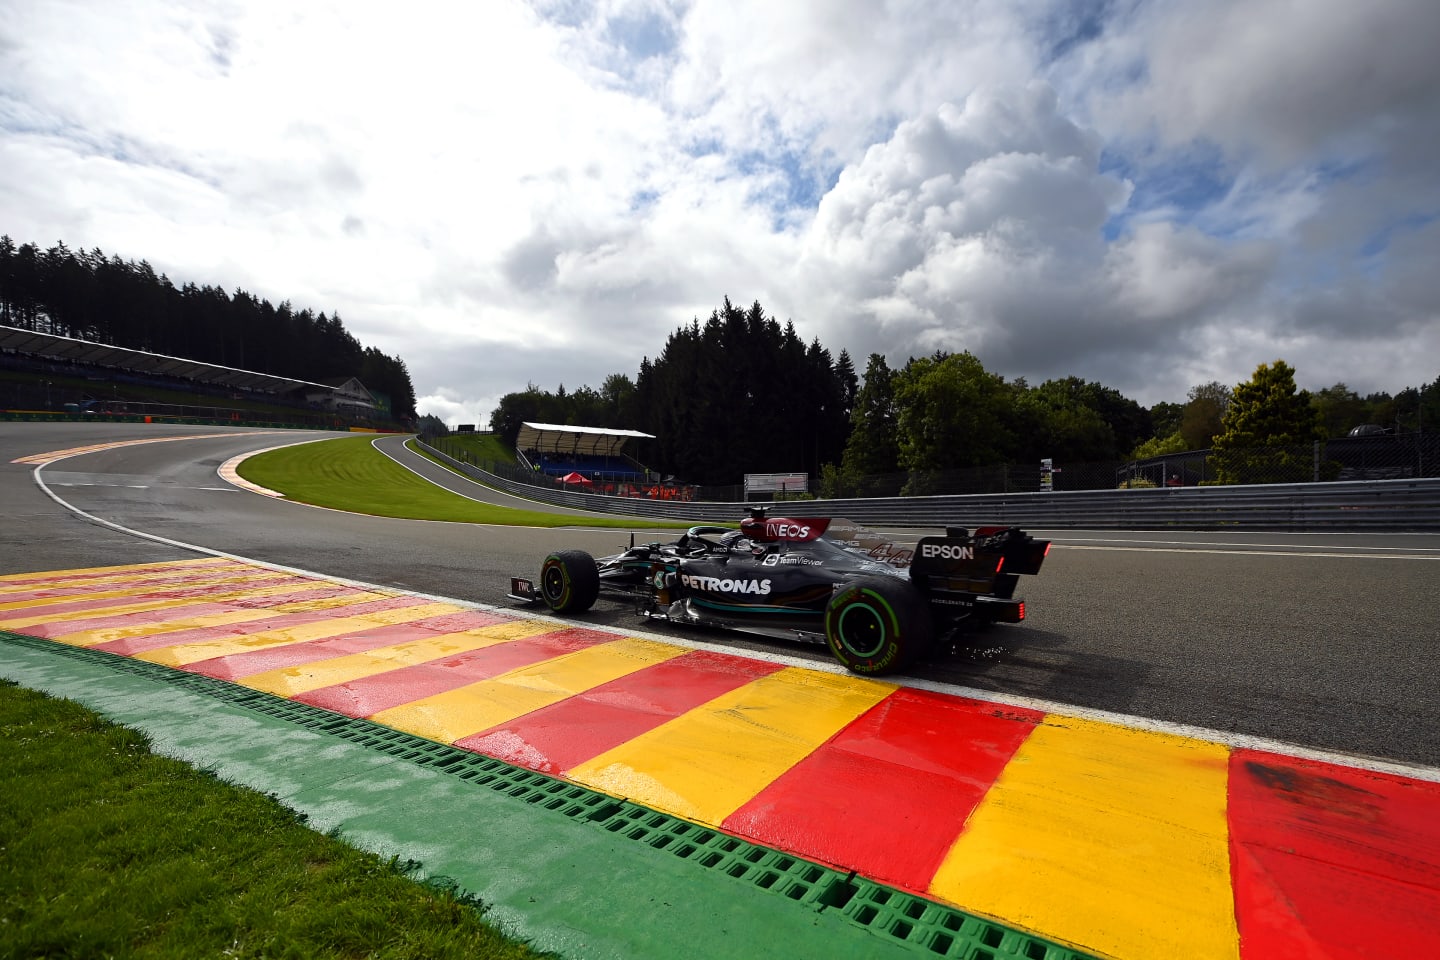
(879, 607)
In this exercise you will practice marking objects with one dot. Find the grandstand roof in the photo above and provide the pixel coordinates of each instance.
(593, 441)
(57, 347)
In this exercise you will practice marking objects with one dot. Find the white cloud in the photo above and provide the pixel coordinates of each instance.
(978, 228)
(1147, 194)
(1160, 274)
(1280, 79)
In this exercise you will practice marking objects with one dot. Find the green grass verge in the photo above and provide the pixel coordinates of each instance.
(112, 851)
(350, 474)
(482, 446)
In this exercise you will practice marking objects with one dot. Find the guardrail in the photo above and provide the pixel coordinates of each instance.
(1398, 505)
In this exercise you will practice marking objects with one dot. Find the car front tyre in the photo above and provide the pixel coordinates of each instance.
(569, 581)
(877, 625)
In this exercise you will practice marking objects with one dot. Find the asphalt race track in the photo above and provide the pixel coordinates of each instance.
(1325, 641)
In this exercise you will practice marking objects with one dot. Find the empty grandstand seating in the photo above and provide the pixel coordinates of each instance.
(593, 466)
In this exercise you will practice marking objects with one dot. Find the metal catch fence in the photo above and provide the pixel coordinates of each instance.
(1399, 504)
(1382, 457)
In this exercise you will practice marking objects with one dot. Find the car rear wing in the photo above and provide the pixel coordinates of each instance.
(972, 562)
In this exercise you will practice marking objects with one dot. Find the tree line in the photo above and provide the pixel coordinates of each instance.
(91, 296)
(740, 393)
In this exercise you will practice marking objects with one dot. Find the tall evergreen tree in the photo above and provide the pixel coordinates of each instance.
(1268, 430)
(848, 381)
(90, 296)
(741, 394)
(873, 446)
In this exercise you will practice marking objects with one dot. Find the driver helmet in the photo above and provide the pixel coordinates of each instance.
(736, 540)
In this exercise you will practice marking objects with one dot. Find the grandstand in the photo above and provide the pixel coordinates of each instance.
(331, 402)
(596, 453)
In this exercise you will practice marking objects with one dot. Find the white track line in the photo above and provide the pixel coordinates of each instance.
(1249, 553)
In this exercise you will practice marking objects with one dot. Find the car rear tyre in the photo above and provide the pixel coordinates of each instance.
(569, 581)
(878, 625)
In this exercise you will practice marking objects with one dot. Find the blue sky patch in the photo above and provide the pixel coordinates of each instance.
(1379, 241)
(803, 182)
(643, 199)
(1073, 25)
(1184, 184)
(643, 36)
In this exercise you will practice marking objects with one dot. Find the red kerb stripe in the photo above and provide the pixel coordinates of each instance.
(1329, 861)
(250, 662)
(134, 645)
(369, 695)
(558, 737)
(888, 795)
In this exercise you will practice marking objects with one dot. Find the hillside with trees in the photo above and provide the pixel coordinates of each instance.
(89, 296)
(737, 394)
(741, 393)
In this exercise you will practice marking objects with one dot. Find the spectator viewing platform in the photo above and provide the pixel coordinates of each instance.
(598, 453)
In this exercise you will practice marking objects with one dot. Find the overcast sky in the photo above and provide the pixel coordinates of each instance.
(1148, 194)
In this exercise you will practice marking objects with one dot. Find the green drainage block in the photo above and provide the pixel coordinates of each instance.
(926, 927)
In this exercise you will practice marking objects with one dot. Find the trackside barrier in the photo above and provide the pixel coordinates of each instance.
(1399, 505)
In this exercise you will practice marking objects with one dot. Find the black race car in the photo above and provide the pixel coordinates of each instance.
(878, 606)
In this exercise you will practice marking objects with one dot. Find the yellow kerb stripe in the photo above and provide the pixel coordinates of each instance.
(89, 638)
(457, 713)
(186, 653)
(289, 681)
(136, 567)
(333, 603)
(28, 619)
(1108, 838)
(705, 764)
(79, 585)
(109, 575)
(144, 588)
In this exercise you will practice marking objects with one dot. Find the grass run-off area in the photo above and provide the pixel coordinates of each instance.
(480, 446)
(350, 474)
(113, 851)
